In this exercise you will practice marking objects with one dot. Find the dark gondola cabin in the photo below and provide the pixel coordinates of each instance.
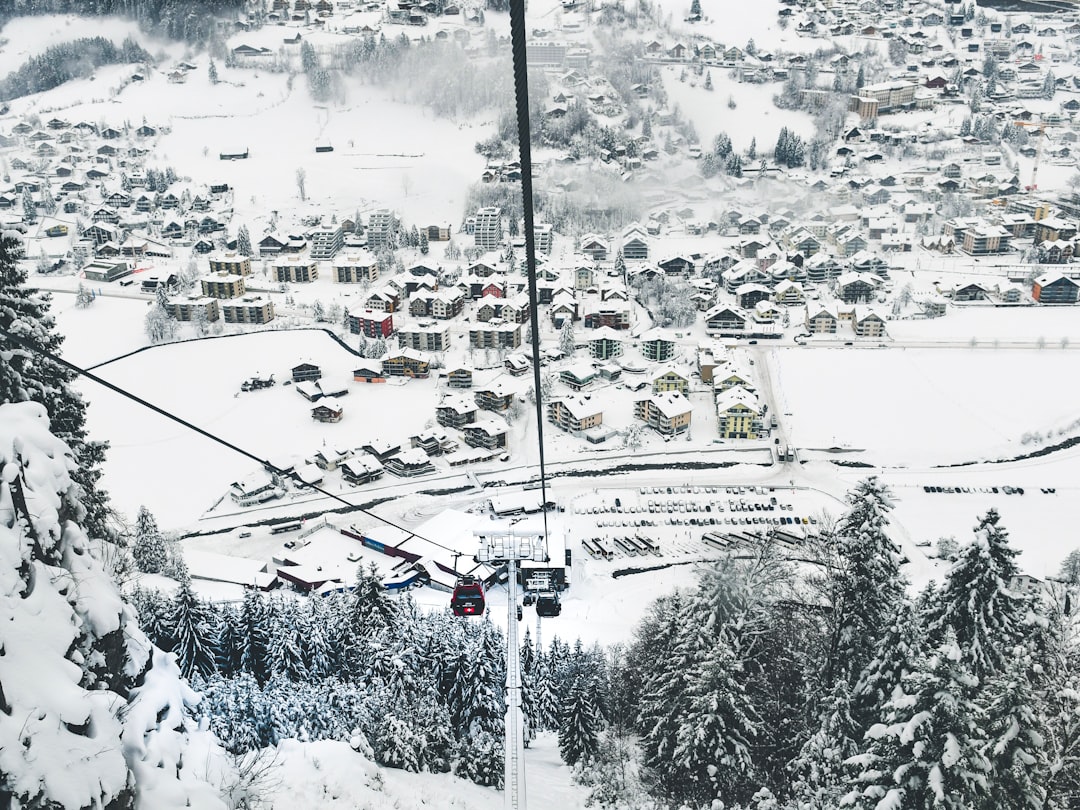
(468, 598)
(548, 604)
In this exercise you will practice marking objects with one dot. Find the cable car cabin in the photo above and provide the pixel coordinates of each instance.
(548, 604)
(468, 598)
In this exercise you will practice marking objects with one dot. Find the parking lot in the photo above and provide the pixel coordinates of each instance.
(680, 521)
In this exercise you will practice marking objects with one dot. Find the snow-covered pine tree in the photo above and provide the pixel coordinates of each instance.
(928, 753)
(243, 242)
(255, 624)
(661, 704)
(868, 585)
(84, 297)
(194, 626)
(713, 748)
(148, 548)
(26, 375)
(72, 655)
(370, 610)
(288, 628)
(1016, 736)
(976, 603)
(480, 753)
(579, 726)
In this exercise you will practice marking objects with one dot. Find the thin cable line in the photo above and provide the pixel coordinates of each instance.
(521, 95)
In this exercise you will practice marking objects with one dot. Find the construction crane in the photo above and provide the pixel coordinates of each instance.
(1040, 126)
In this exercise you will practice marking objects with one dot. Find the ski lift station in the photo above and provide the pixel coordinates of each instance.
(433, 554)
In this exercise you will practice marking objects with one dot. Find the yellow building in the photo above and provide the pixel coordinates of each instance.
(670, 380)
(738, 414)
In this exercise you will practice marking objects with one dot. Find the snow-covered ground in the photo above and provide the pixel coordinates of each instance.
(331, 775)
(923, 406)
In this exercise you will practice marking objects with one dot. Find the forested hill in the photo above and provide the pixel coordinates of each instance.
(71, 60)
(190, 20)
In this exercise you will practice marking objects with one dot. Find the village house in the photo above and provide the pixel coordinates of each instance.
(249, 309)
(488, 434)
(725, 320)
(356, 268)
(867, 323)
(456, 411)
(328, 410)
(1055, 288)
(495, 397)
(361, 469)
(294, 269)
(370, 372)
(667, 413)
(425, 337)
(371, 323)
(821, 319)
(656, 347)
(738, 414)
(576, 414)
(578, 375)
(409, 463)
(406, 363)
(494, 336)
(222, 285)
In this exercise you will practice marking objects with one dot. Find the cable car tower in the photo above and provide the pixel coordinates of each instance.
(508, 546)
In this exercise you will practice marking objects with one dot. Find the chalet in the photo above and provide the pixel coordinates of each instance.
(489, 434)
(456, 411)
(676, 266)
(370, 372)
(459, 377)
(328, 410)
(409, 464)
(723, 319)
(576, 414)
(361, 469)
(654, 346)
(371, 323)
(306, 371)
(667, 413)
(517, 365)
(407, 363)
(969, 291)
(1055, 288)
(578, 375)
(867, 323)
(821, 319)
(495, 397)
(855, 287)
(595, 247)
(670, 379)
(738, 414)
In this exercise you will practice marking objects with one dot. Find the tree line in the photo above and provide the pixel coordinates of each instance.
(413, 690)
(69, 60)
(174, 19)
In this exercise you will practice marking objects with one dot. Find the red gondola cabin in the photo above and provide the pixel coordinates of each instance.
(468, 598)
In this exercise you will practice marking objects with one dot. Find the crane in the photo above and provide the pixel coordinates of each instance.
(1040, 126)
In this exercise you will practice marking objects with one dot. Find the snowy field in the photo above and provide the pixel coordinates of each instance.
(754, 116)
(923, 406)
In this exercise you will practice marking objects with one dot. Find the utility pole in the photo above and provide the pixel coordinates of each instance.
(508, 545)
